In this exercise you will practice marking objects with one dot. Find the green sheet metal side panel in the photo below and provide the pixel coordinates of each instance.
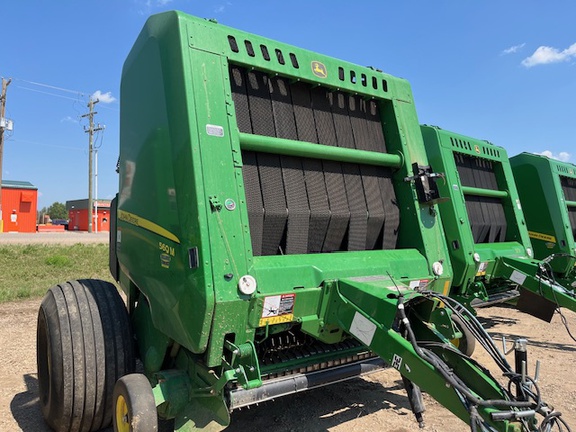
(161, 206)
(455, 217)
(539, 186)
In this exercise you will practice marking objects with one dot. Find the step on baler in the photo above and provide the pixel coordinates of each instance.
(486, 233)
(547, 191)
(269, 237)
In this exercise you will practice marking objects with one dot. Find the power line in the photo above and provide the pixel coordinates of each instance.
(64, 97)
(47, 93)
(51, 86)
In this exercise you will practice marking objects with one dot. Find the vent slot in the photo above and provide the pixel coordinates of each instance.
(233, 44)
(280, 56)
(249, 48)
(265, 53)
(294, 61)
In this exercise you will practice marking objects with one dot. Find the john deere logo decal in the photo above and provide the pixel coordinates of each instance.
(477, 149)
(319, 69)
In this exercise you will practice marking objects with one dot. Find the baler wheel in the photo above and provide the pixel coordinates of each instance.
(134, 405)
(467, 343)
(84, 344)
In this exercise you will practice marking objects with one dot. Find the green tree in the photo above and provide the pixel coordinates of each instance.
(57, 211)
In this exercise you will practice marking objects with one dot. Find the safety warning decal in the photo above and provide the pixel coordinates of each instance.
(419, 284)
(540, 236)
(278, 309)
(482, 268)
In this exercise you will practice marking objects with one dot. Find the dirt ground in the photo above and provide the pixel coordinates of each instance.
(376, 402)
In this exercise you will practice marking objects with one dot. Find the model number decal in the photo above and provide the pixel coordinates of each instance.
(169, 250)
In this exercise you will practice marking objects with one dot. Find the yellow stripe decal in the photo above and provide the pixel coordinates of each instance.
(446, 288)
(146, 224)
(540, 236)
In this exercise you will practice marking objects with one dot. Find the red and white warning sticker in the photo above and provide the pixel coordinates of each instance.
(419, 284)
(278, 309)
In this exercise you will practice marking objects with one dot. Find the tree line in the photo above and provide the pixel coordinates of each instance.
(56, 211)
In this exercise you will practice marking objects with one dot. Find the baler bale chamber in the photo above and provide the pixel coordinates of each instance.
(547, 190)
(486, 231)
(271, 234)
(272, 178)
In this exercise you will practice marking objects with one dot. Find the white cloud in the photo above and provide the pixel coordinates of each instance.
(145, 7)
(513, 49)
(562, 156)
(68, 119)
(221, 8)
(546, 55)
(103, 97)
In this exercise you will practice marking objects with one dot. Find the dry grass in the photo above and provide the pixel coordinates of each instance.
(27, 271)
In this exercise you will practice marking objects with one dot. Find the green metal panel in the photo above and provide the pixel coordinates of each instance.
(546, 207)
(157, 224)
(442, 147)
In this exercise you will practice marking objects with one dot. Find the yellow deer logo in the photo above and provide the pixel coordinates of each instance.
(319, 69)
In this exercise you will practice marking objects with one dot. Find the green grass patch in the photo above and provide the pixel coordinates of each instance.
(27, 271)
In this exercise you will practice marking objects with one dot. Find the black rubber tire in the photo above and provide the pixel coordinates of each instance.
(467, 343)
(134, 405)
(84, 344)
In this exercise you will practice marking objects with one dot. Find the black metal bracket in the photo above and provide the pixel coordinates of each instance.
(425, 181)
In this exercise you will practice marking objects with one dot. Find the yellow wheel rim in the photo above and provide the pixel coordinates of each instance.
(122, 421)
(455, 342)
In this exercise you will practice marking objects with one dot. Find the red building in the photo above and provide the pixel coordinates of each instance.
(78, 215)
(19, 205)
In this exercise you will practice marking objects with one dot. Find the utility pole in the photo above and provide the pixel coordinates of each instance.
(90, 130)
(4, 124)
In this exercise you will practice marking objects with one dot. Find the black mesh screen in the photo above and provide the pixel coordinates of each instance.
(300, 205)
(572, 216)
(486, 215)
(569, 188)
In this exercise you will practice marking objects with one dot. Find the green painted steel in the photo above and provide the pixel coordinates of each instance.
(472, 270)
(468, 190)
(481, 261)
(286, 147)
(204, 295)
(549, 210)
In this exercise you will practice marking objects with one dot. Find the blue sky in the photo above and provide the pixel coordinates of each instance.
(504, 71)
